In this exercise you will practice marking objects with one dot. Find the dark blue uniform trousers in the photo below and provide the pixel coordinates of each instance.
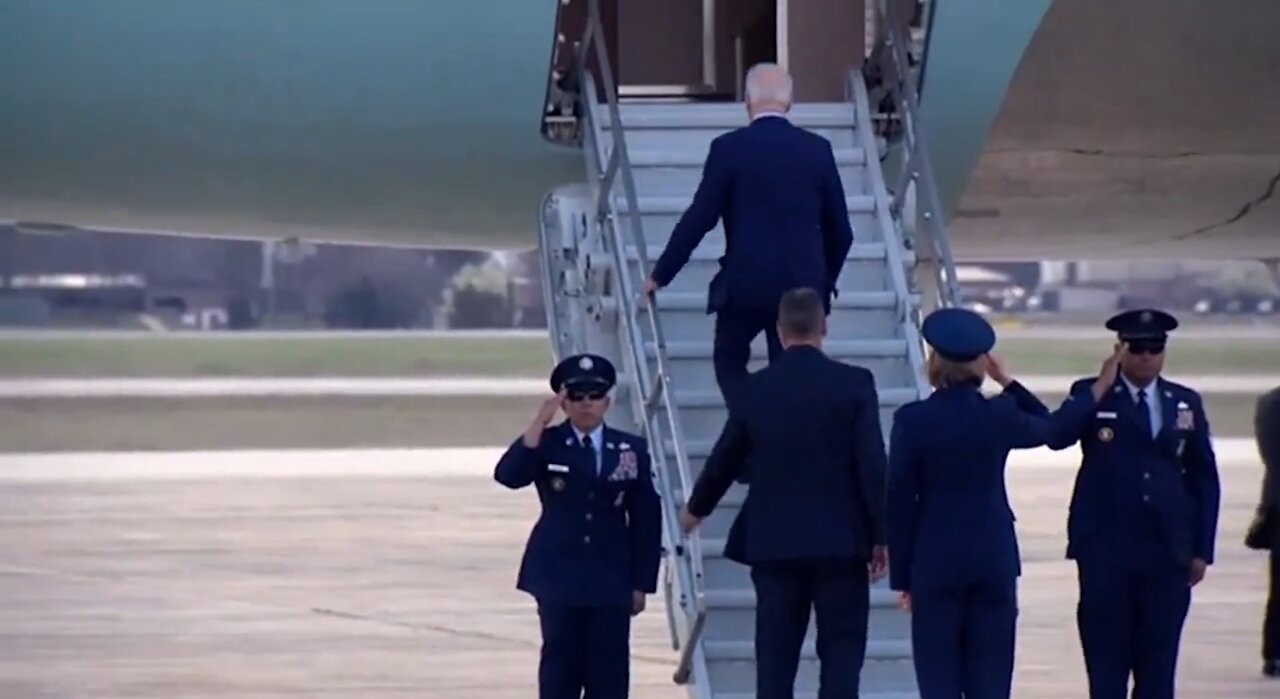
(836, 591)
(963, 640)
(585, 652)
(1130, 617)
(735, 329)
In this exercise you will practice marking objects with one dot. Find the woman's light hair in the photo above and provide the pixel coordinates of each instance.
(944, 372)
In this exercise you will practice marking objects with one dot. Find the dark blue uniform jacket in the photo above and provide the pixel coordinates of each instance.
(786, 224)
(599, 537)
(950, 521)
(1131, 488)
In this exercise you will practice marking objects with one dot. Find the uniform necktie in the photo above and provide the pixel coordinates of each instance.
(591, 447)
(1145, 418)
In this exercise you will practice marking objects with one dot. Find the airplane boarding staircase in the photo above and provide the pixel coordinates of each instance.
(643, 163)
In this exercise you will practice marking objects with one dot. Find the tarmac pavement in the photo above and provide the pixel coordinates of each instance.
(390, 573)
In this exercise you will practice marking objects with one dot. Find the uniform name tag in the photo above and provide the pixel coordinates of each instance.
(1106, 415)
(557, 468)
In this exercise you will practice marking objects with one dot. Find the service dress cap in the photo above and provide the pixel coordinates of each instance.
(583, 372)
(1142, 324)
(958, 334)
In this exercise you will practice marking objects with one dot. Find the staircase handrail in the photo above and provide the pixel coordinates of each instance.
(655, 392)
(857, 94)
(896, 73)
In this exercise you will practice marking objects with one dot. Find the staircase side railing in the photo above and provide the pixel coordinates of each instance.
(561, 288)
(857, 90)
(893, 68)
(654, 391)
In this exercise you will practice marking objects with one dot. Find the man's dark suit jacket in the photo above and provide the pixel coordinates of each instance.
(786, 225)
(807, 429)
(1266, 430)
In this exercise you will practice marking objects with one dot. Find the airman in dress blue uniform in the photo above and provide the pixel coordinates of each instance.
(953, 550)
(1143, 518)
(593, 554)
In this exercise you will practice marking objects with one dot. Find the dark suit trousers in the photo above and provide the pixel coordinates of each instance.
(837, 592)
(585, 652)
(1130, 618)
(1271, 623)
(735, 329)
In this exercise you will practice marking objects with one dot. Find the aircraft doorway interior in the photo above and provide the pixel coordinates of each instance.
(683, 49)
(701, 49)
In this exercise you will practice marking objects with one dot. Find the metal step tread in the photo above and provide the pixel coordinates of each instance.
(697, 300)
(712, 546)
(691, 158)
(724, 115)
(838, 349)
(880, 598)
(889, 398)
(711, 249)
(672, 205)
(694, 449)
(745, 650)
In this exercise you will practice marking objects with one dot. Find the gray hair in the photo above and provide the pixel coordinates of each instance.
(768, 82)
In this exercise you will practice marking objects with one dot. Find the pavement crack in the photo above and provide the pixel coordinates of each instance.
(456, 632)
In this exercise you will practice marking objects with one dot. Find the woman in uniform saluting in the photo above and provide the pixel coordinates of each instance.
(953, 551)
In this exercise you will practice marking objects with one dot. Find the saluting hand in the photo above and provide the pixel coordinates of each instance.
(1109, 371)
(997, 370)
(546, 413)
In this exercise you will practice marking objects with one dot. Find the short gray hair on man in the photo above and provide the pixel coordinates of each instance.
(768, 82)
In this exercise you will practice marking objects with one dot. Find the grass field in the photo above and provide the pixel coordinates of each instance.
(145, 424)
(520, 356)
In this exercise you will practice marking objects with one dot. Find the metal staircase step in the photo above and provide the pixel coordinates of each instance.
(712, 248)
(676, 204)
(865, 269)
(880, 598)
(887, 667)
(889, 398)
(839, 349)
(726, 115)
(652, 157)
(854, 314)
(745, 650)
(699, 449)
(694, 301)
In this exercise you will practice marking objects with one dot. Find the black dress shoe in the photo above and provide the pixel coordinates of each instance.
(1271, 668)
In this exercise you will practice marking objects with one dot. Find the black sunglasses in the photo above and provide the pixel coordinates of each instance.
(1146, 347)
(579, 396)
